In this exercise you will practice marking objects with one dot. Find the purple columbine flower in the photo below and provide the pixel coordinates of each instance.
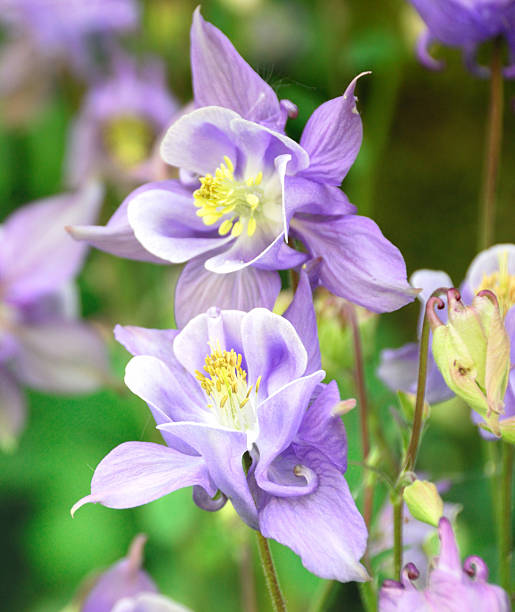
(450, 587)
(42, 342)
(126, 587)
(466, 24)
(492, 269)
(239, 401)
(246, 189)
(119, 124)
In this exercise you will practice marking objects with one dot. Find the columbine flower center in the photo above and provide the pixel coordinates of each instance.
(502, 283)
(225, 383)
(128, 139)
(222, 196)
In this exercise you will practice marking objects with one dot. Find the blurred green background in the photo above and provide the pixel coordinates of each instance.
(418, 175)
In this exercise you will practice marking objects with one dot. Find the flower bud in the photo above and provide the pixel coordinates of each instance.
(473, 352)
(424, 502)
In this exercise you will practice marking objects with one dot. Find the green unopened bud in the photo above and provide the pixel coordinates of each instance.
(424, 502)
(473, 352)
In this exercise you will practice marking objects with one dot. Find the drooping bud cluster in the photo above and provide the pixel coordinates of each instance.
(473, 352)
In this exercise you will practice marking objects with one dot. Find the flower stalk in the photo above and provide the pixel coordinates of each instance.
(506, 538)
(493, 149)
(272, 582)
(411, 453)
(397, 534)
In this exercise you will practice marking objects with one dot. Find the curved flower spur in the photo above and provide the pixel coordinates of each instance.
(243, 420)
(245, 189)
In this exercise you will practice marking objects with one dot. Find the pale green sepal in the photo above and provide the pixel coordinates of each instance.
(497, 363)
(507, 429)
(471, 329)
(458, 368)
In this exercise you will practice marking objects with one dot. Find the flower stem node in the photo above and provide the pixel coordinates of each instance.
(424, 502)
(473, 353)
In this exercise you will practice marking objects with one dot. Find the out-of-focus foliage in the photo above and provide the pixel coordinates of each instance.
(417, 175)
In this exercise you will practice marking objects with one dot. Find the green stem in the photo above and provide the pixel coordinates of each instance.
(397, 535)
(411, 453)
(505, 548)
(271, 579)
(493, 149)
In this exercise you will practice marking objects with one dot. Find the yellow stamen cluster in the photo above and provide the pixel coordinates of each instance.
(226, 385)
(128, 139)
(222, 194)
(502, 283)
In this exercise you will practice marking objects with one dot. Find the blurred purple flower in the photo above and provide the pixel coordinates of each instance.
(60, 29)
(450, 587)
(238, 400)
(120, 121)
(126, 587)
(466, 24)
(492, 269)
(125, 578)
(42, 342)
(42, 36)
(245, 189)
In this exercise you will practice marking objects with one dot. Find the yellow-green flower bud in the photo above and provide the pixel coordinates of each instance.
(424, 502)
(473, 353)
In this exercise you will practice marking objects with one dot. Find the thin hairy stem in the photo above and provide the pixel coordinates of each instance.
(493, 142)
(397, 536)
(506, 537)
(271, 579)
(411, 453)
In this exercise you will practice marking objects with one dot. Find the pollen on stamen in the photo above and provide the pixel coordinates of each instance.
(223, 194)
(225, 383)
